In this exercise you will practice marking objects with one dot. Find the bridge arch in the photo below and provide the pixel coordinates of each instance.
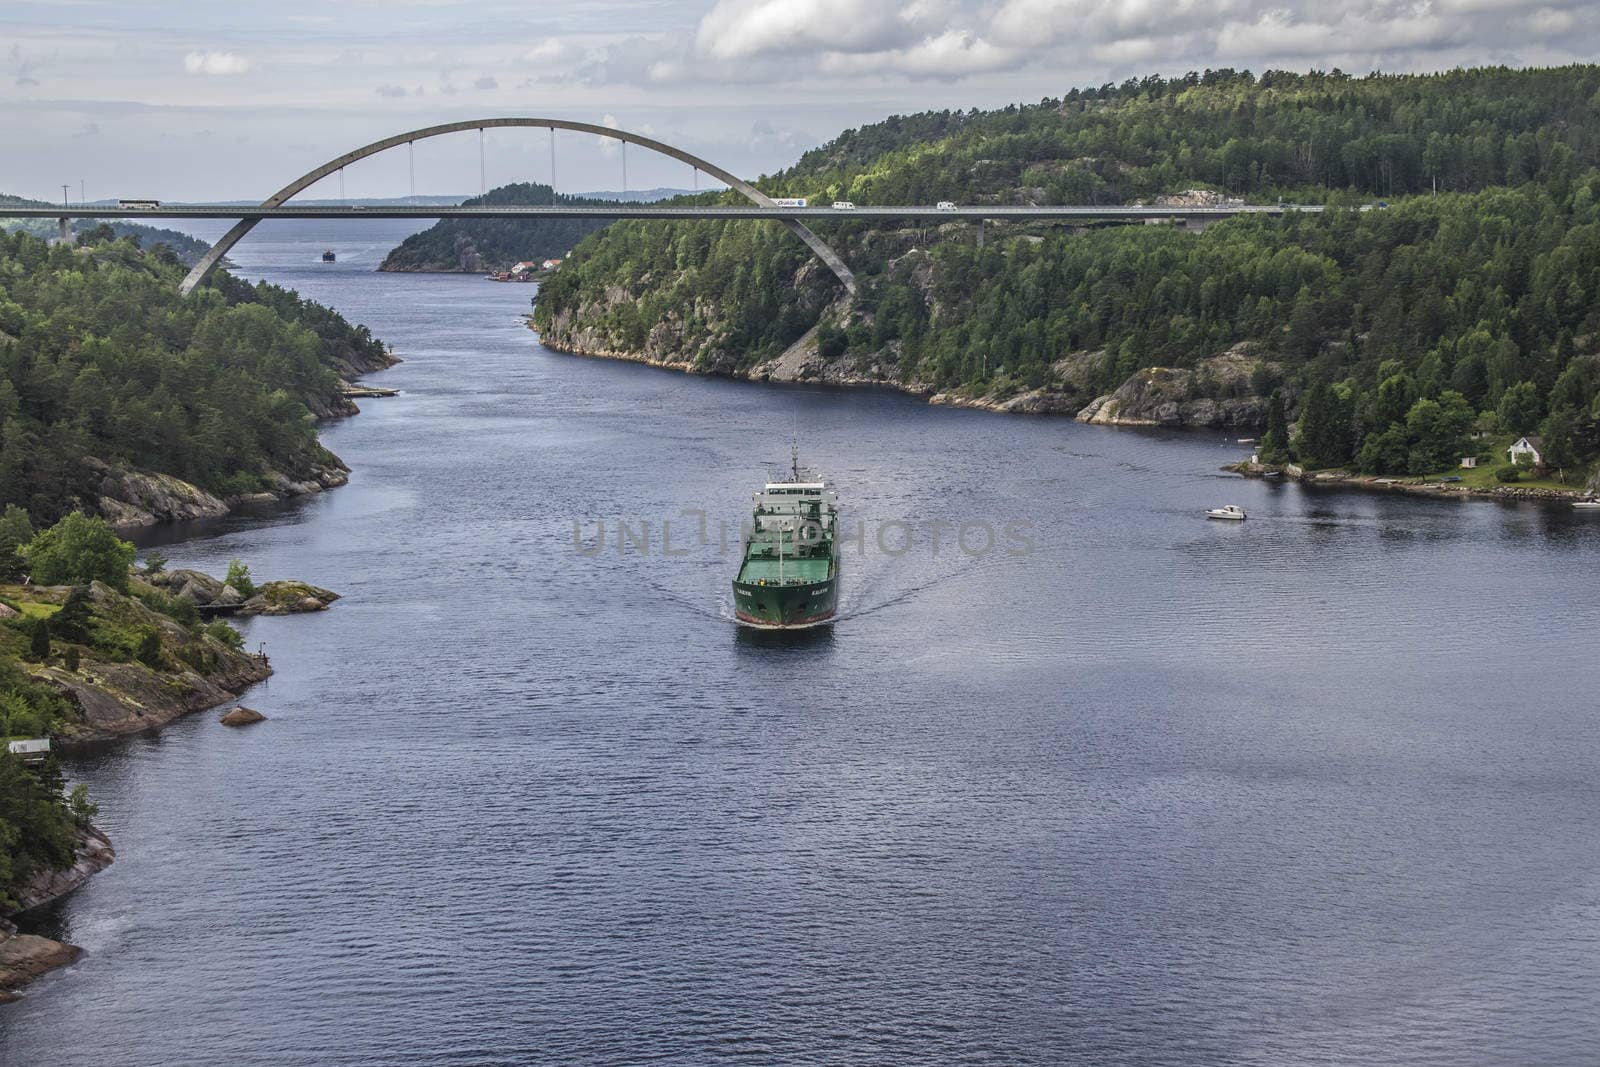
(817, 245)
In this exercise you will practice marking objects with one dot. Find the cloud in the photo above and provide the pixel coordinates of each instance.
(952, 54)
(393, 92)
(782, 46)
(738, 29)
(1550, 22)
(608, 147)
(765, 137)
(486, 84)
(922, 39)
(215, 63)
(546, 51)
(1379, 33)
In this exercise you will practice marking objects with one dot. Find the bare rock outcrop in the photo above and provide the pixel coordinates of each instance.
(1219, 393)
(94, 854)
(24, 957)
(113, 699)
(133, 499)
(242, 716)
(287, 598)
(130, 499)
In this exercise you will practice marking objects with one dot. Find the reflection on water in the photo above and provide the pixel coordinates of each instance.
(1315, 788)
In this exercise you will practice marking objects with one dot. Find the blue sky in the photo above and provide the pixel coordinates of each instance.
(187, 100)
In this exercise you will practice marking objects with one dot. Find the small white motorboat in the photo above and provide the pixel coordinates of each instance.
(1587, 505)
(1228, 511)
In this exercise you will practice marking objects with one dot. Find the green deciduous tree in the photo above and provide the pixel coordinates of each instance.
(1437, 430)
(1519, 408)
(79, 550)
(1396, 394)
(239, 578)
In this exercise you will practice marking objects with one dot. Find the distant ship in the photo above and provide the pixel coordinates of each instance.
(790, 575)
(328, 256)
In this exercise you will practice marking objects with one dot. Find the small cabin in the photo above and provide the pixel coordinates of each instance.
(1468, 462)
(1526, 450)
(31, 749)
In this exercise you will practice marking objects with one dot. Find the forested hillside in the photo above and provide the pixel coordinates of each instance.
(494, 244)
(1455, 301)
(106, 371)
(1283, 134)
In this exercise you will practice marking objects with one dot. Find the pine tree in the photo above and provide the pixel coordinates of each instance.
(39, 647)
(71, 623)
(1324, 428)
(150, 649)
(1275, 442)
(15, 531)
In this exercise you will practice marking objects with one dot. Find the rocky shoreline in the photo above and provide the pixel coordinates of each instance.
(1343, 479)
(111, 699)
(1152, 396)
(25, 957)
(132, 500)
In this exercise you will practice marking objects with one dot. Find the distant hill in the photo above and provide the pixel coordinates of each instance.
(185, 247)
(494, 244)
(642, 196)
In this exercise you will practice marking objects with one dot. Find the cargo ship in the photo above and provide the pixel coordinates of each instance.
(789, 579)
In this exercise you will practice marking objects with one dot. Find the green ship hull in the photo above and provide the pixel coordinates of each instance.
(786, 606)
(789, 578)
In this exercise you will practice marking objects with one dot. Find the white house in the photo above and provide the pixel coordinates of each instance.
(32, 750)
(1526, 449)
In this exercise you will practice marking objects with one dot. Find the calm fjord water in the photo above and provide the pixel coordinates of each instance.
(1317, 788)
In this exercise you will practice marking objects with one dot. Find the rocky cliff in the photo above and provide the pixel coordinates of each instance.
(131, 499)
(1223, 392)
(1218, 393)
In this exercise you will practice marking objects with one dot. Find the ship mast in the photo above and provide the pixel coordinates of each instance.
(794, 472)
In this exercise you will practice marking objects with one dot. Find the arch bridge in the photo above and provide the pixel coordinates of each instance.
(817, 245)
